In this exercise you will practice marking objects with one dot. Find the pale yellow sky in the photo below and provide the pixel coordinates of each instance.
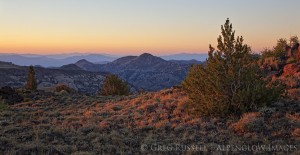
(137, 26)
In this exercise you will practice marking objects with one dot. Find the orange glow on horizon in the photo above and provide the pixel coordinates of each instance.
(37, 44)
(135, 26)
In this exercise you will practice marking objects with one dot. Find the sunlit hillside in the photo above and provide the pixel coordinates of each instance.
(66, 124)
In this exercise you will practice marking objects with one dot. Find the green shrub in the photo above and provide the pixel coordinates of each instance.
(231, 82)
(114, 86)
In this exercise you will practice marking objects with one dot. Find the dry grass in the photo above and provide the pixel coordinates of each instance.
(294, 93)
(248, 122)
(76, 124)
(296, 133)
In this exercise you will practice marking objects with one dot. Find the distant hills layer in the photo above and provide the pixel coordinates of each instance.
(48, 61)
(145, 72)
(185, 56)
(65, 59)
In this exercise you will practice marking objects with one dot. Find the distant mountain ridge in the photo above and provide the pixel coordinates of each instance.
(186, 61)
(186, 56)
(147, 72)
(91, 57)
(47, 61)
(57, 60)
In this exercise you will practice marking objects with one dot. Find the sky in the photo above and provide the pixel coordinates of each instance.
(137, 26)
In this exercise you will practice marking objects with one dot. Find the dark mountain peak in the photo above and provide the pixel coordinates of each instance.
(83, 62)
(70, 67)
(138, 60)
(124, 60)
(149, 58)
(146, 55)
(86, 65)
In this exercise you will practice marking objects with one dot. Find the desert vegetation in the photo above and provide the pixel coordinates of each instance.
(113, 85)
(66, 124)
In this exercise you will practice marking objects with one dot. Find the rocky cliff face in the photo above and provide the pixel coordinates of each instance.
(82, 81)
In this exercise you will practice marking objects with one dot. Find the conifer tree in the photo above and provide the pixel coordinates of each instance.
(294, 39)
(230, 82)
(31, 80)
(114, 86)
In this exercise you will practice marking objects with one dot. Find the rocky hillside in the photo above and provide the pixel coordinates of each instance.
(147, 72)
(73, 124)
(287, 72)
(80, 80)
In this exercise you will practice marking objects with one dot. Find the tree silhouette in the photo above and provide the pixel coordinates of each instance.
(31, 80)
